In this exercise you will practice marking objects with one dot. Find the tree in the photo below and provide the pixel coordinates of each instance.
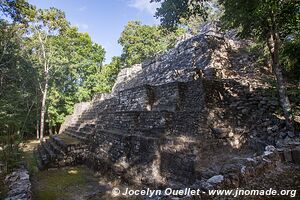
(77, 77)
(17, 93)
(193, 23)
(173, 12)
(64, 62)
(17, 10)
(44, 54)
(108, 76)
(269, 21)
(140, 42)
(46, 67)
(16, 79)
(290, 57)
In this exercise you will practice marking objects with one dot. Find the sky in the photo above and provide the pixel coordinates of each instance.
(104, 20)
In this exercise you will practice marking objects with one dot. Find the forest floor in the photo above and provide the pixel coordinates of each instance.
(285, 177)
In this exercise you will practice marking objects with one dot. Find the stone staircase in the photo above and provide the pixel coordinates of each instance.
(57, 151)
(147, 132)
(170, 119)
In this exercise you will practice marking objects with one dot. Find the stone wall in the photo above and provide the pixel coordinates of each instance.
(166, 133)
(19, 186)
(180, 116)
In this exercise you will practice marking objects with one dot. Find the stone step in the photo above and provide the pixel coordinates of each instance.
(130, 120)
(151, 134)
(81, 127)
(58, 151)
(67, 142)
(79, 121)
(76, 135)
(59, 143)
(107, 105)
(42, 154)
(77, 124)
(173, 96)
(87, 128)
(84, 133)
(88, 113)
(51, 155)
(74, 131)
(55, 148)
(40, 164)
(38, 159)
(86, 117)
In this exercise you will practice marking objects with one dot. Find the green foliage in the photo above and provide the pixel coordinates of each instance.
(108, 75)
(17, 81)
(290, 58)
(44, 50)
(187, 13)
(76, 79)
(258, 23)
(17, 94)
(17, 10)
(140, 42)
(171, 12)
(253, 17)
(10, 152)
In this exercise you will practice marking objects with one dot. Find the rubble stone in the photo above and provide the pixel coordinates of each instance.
(19, 185)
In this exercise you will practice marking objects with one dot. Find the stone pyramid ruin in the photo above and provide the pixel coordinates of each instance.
(197, 114)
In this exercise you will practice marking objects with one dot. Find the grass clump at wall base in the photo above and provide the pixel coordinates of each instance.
(54, 184)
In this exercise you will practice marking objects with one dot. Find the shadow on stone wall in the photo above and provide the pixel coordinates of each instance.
(190, 136)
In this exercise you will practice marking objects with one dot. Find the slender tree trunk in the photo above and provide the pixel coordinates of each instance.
(43, 107)
(37, 116)
(37, 129)
(274, 45)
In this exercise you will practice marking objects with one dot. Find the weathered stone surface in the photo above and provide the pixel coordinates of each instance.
(215, 179)
(202, 105)
(287, 155)
(296, 155)
(19, 185)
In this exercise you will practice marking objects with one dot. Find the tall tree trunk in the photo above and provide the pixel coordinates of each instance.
(37, 116)
(274, 45)
(43, 107)
(37, 129)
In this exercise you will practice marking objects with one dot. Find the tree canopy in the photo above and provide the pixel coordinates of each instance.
(140, 42)
(46, 67)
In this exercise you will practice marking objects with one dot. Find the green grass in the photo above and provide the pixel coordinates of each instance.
(54, 184)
